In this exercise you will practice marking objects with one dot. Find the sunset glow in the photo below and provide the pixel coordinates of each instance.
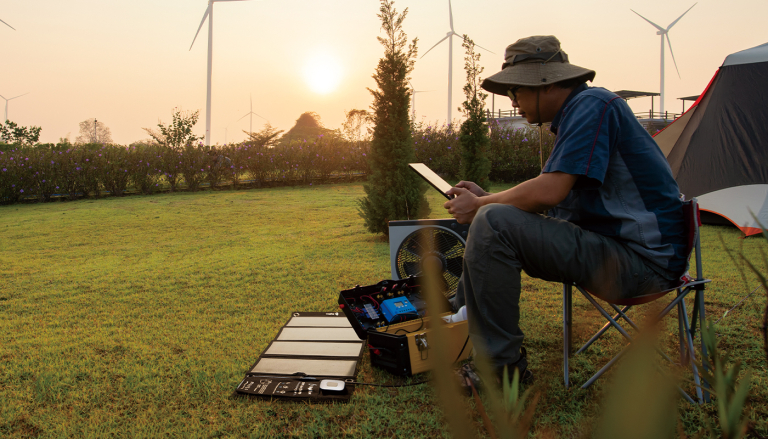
(322, 73)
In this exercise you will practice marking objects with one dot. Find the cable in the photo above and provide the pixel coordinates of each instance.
(462, 350)
(388, 385)
(407, 331)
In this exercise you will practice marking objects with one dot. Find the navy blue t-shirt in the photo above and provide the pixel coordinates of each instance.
(625, 188)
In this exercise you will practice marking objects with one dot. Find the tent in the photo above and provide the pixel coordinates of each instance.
(718, 149)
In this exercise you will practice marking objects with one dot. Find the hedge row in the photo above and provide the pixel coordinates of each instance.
(47, 171)
(514, 152)
(70, 171)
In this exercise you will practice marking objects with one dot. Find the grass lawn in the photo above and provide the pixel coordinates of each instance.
(138, 316)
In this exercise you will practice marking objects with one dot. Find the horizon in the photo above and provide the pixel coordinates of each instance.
(129, 64)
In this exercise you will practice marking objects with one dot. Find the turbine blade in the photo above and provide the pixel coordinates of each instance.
(207, 12)
(247, 114)
(450, 14)
(1, 21)
(444, 38)
(476, 45)
(18, 96)
(678, 18)
(661, 29)
(669, 43)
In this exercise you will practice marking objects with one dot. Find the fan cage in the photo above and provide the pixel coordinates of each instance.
(432, 245)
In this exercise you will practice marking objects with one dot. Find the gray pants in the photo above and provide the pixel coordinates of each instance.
(503, 240)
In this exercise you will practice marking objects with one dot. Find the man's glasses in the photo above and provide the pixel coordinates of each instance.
(512, 92)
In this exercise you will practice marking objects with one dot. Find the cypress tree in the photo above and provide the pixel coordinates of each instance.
(473, 135)
(393, 191)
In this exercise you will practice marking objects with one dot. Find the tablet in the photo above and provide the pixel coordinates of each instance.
(433, 179)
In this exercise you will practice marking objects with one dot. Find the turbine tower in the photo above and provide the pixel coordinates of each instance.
(448, 36)
(251, 113)
(664, 32)
(1, 21)
(6, 103)
(209, 15)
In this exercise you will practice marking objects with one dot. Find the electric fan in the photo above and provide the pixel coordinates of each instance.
(428, 246)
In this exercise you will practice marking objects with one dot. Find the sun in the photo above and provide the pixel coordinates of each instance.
(322, 73)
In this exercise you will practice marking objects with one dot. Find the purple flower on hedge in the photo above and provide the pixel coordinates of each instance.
(22, 191)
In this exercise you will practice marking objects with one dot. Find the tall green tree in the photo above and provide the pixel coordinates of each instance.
(393, 191)
(473, 135)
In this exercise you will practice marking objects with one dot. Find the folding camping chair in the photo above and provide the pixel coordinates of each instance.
(686, 332)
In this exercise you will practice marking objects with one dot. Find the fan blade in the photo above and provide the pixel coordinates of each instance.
(669, 43)
(450, 14)
(678, 18)
(207, 12)
(661, 29)
(444, 38)
(457, 251)
(455, 266)
(409, 268)
(406, 253)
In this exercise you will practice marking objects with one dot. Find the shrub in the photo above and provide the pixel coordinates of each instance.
(193, 162)
(145, 164)
(115, 165)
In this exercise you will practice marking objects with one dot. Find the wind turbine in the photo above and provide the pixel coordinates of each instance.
(1, 21)
(209, 15)
(251, 113)
(665, 32)
(448, 36)
(10, 99)
(413, 100)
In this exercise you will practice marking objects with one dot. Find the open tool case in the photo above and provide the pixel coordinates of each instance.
(310, 348)
(397, 330)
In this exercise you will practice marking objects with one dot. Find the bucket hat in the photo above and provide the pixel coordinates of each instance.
(532, 62)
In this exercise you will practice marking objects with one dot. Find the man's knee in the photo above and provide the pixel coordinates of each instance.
(499, 217)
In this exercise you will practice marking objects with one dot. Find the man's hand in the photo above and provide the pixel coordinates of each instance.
(535, 195)
(464, 205)
(473, 187)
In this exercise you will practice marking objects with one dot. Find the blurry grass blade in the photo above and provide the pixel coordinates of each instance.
(736, 407)
(446, 386)
(638, 387)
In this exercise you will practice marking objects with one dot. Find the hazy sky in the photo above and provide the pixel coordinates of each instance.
(128, 63)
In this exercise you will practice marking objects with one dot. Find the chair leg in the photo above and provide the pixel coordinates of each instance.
(691, 353)
(699, 298)
(605, 328)
(567, 327)
(681, 331)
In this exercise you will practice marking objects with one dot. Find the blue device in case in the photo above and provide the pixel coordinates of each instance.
(397, 307)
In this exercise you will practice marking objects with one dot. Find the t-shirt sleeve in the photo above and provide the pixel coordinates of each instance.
(584, 140)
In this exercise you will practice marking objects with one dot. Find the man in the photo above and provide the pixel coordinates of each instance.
(615, 222)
